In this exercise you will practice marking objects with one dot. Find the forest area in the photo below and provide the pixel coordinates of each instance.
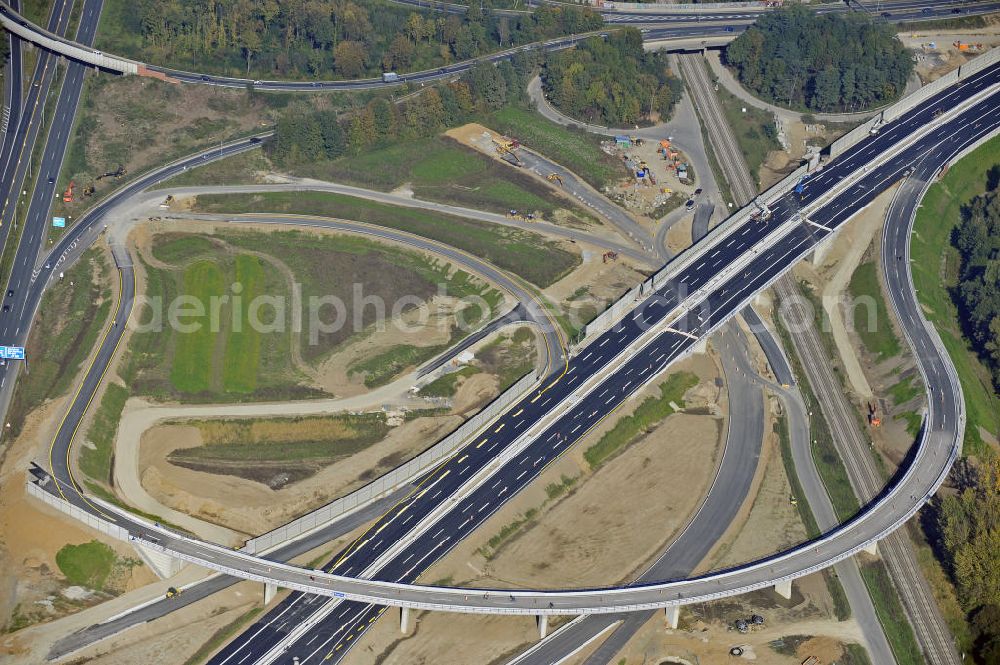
(827, 63)
(978, 294)
(611, 81)
(320, 38)
(968, 528)
(302, 136)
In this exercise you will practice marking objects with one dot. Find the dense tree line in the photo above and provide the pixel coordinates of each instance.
(318, 37)
(822, 62)
(978, 241)
(611, 81)
(305, 137)
(968, 525)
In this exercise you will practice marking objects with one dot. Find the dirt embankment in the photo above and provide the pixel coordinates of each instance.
(31, 587)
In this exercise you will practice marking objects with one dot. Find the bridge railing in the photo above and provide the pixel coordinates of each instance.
(14, 23)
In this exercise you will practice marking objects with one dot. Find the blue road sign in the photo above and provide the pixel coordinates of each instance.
(12, 352)
(338, 594)
(59, 222)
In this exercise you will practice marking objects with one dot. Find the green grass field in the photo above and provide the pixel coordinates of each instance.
(95, 460)
(243, 347)
(935, 263)
(754, 130)
(875, 328)
(905, 390)
(179, 248)
(891, 614)
(646, 416)
(527, 254)
(193, 362)
(441, 169)
(88, 564)
(577, 150)
(66, 331)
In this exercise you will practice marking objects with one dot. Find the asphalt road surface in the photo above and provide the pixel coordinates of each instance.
(435, 540)
(764, 267)
(17, 315)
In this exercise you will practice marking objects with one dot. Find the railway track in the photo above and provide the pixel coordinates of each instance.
(851, 442)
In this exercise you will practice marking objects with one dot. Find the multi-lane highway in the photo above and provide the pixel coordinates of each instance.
(981, 118)
(723, 296)
(35, 220)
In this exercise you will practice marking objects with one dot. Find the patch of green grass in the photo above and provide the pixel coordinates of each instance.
(66, 331)
(507, 531)
(241, 169)
(646, 416)
(441, 169)
(854, 654)
(179, 248)
(891, 614)
(801, 504)
(527, 254)
(577, 150)
(905, 390)
(285, 439)
(754, 130)
(242, 357)
(380, 369)
(872, 324)
(222, 636)
(934, 265)
(841, 606)
(193, 360)
(445, 386)
(95, 459)
(913, 422)
(556, 490)
(828, 463)
(88, 564)
(944, 594)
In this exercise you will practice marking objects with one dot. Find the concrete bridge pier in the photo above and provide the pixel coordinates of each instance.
(784, 589)
(161, 563)
(701, 347)
(269, 591)
(404, 620)
(543, 625)
(872, 548)
(673, 613)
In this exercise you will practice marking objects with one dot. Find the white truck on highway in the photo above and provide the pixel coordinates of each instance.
(390, 77)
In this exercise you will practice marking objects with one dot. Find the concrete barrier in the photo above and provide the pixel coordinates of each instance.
(625, 304)
(404, 473)
(910, 101)
(63, 506)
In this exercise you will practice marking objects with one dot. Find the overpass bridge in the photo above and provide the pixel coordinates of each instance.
(754, 254)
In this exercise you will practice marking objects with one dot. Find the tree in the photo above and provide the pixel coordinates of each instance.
(821, 62)
(349, 58)
(611, 81)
